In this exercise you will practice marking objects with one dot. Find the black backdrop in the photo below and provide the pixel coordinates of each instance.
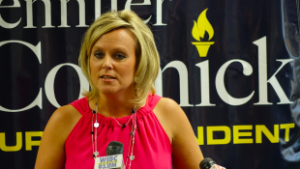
(241, 97)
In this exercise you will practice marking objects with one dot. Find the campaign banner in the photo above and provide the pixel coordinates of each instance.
(232, 65)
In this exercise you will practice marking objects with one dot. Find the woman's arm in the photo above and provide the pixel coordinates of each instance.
(186, 151)
(51, 154)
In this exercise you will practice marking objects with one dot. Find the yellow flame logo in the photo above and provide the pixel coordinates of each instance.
(200, 27)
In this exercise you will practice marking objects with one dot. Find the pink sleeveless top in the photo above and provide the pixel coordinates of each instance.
(152, 148)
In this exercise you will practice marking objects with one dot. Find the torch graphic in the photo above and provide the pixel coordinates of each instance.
(200, 27)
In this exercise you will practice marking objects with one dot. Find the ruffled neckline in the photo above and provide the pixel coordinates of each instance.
(110, 121)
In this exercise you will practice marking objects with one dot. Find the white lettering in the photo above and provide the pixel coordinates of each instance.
(49, 83)
(220, 85)
(16, 4)
(64, 11)
(37, 51)
(29, 11)
(276, 86)
(81, 4)
(158, 84)
(146, 2)
(183, 81)
(114, 5)
(204, 76)
(63, 15)
(262, 76)
(97, 8)
(159, 13)
(82, 14)
(5, 24)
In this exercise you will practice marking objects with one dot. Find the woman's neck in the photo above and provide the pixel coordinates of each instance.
(115, 105)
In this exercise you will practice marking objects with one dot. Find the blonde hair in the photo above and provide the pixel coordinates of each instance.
(147, 57)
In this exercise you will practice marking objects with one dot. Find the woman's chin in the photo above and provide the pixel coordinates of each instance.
(108, 91)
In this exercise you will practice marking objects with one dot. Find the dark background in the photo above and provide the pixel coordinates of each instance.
(236, 23)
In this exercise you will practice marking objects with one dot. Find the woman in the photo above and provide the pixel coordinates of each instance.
(120, 60)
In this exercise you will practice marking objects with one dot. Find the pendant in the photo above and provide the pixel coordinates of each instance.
(124, 125)
(96, 125)
(95, 154)
(131, 157)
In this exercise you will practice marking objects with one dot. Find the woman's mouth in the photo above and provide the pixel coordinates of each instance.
(107, 77)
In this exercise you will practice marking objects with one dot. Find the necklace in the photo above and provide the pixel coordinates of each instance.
(124, 125)
(95, 125)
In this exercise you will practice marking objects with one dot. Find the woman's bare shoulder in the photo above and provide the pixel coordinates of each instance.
(186, 152)
(62, 122)
(168, 112)
(66, 114)
(169, 108)
(51, 152)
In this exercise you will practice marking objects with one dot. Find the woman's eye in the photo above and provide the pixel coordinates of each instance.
(120, 56)
(98, 55)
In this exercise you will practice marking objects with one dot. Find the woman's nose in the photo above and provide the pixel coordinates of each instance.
(107, 62)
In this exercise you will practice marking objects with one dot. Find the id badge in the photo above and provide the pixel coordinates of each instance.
(108, 162)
